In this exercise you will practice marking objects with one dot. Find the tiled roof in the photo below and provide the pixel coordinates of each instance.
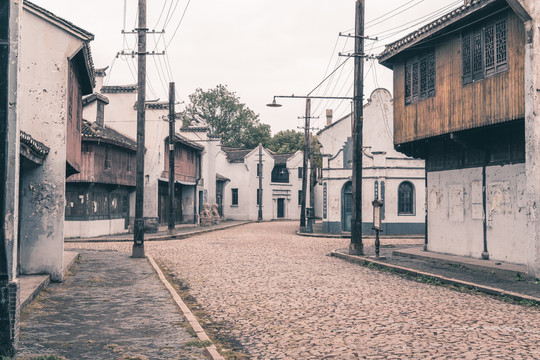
(85, 35)
(220, 177)
(92, 131)
(183, 140)
(281, 159)
(101, 72)
(434, 26)
(36, 147)
(235, 155)
(112, 89)
(95, 96)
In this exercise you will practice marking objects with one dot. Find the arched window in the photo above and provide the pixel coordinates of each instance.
(406, 198)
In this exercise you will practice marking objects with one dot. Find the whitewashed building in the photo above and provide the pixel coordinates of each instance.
(121, 116)
(390, 176)
(281, 184)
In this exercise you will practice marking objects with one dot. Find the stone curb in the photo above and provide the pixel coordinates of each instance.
(157, 238)
(347, 236)
(201, 334)
(445, 280)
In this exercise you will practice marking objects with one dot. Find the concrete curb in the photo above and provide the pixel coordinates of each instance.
(26, 298)
(201, 334)
(157, 238)
(403, 270)
(348, 236)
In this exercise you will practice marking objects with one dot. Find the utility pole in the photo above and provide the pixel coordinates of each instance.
(311, 216)
(260, 215)
(172, 214)
(356, 246)
(138, 241)
(304, 168)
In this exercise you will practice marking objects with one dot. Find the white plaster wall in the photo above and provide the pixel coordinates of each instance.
(239, 175)
(119, 113)
(76, 229)
(42, 112)
(90, 111)
(506, 209)
(453, 226)
(188, 192)
(156, 130)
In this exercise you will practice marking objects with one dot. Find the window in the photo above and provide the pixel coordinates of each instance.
(300, 172)
(299, 197)
(259, 195)
(234, 196)
(406, 198)
(420, 78)
(280, 174)
(484, 51)
(107, 157)
(129, 164)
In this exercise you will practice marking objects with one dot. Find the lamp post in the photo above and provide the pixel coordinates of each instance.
(306, 150)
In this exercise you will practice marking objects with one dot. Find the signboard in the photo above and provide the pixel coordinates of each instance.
(377, 223)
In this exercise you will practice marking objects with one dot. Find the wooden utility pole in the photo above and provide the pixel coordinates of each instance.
(172, 214)
(260, 215)
(356, 246)
(138, 241)
(304, 168)
(311, 185)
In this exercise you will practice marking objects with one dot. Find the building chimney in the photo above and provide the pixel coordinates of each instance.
(329, 116)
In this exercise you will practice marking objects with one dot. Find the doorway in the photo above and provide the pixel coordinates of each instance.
(280, 208)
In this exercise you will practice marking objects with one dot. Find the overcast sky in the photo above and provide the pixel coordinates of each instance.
(258, 48)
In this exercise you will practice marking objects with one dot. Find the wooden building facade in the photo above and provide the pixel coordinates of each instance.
(98, 198)
(459, 86)
(187, 173)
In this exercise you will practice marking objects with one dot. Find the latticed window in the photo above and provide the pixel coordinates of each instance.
(406, 198)
(107, 164)
(234, 196)
(420, 78)
(484, 51)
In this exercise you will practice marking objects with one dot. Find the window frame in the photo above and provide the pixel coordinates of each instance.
(107, 163)
(234, 197)
(404, 209)
(492, 55)
(420, 78)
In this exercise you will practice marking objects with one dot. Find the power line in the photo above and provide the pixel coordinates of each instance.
(370, 23)
(179, 23)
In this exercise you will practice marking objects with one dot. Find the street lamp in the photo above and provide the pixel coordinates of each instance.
(307, 118)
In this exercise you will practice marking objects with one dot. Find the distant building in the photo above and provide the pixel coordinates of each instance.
(466, 101)
(98, 198)
(281, 186)
(389, 176)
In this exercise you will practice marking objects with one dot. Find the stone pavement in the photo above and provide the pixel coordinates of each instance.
(279, 296)
(110, 307)
(180, 232)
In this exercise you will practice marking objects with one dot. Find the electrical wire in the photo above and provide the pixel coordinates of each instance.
(178, 26)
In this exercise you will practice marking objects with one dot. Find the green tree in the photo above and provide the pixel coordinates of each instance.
(287, 141)
(236, 123)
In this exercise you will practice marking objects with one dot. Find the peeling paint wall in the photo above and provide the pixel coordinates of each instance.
(453, 228)
(455, 222)
(43, 76)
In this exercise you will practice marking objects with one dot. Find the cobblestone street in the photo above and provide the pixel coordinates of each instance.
(281, 297)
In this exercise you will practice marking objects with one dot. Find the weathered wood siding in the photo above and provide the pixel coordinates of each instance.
(185, 163)
(455, 106)
(93, 165)
(74, 119)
